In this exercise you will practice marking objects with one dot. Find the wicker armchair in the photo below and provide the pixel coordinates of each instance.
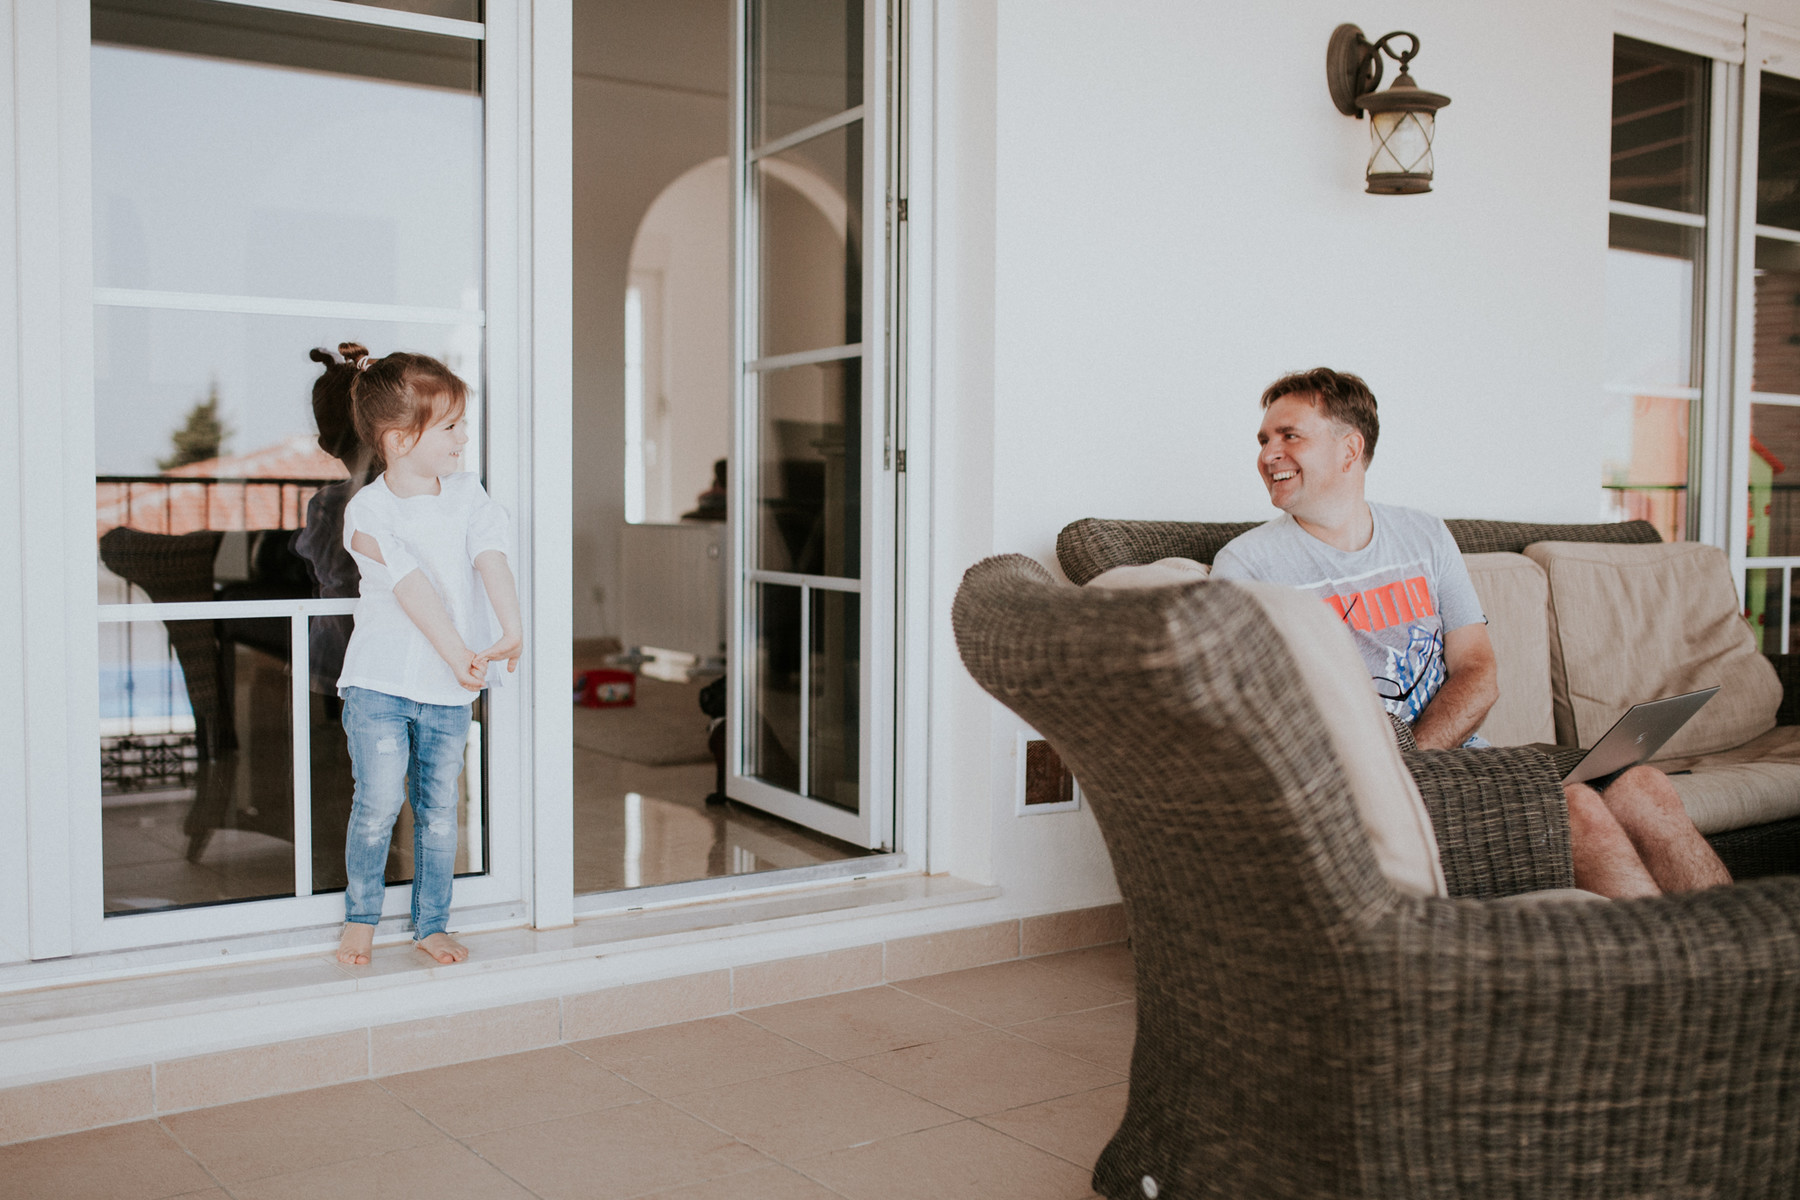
(1306, 1030)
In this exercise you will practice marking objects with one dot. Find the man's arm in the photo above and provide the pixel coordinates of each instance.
(1468, 693)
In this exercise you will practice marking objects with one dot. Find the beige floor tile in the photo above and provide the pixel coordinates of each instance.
(616, 1152)
(284, 1134)
(814, 1111)
(986, 1072)
(125, 1162)
(442, 1172)
(965, 1161)
(1010, 992)
(515, 1089)
(212, 1079)
(1050, 932)
(633, 1006)
(1099, 1035)
(1102, 966)
(761, 984)
(1075, 1128)
(953, 950)
(859, 1023)
(63, 1105)
(459, 1037)
(697, 1055)
(764, 1183)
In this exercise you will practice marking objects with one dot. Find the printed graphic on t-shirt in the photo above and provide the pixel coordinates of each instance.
(1398, 632)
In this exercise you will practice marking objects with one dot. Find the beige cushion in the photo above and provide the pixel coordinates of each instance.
(1382, 789)
(1746, 785)
(1515, 595)
(1161, 573)
(1635, 623)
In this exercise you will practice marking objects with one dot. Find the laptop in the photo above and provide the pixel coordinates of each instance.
(1638, 734)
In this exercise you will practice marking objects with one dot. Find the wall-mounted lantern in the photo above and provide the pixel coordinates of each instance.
(1402, 119)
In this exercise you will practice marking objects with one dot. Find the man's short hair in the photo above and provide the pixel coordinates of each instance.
(1341, 396)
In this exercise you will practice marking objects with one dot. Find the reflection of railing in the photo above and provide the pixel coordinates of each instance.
(1664, 505)
(176, 504)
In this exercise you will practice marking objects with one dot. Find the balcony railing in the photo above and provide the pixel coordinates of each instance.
(175, 504)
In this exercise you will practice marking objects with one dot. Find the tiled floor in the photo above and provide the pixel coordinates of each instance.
(995, 1083)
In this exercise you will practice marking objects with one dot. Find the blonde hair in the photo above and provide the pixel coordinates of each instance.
(402, 393)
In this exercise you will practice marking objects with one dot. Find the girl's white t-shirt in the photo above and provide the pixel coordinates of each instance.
(440, 535)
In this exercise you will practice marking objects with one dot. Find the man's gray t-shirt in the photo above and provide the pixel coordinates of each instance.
(1399, 594)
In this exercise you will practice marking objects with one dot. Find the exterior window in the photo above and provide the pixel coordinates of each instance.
(1773, 530)
(265, 182)
(1655, 284)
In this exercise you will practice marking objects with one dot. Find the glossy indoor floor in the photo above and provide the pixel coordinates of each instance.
(998, 1083)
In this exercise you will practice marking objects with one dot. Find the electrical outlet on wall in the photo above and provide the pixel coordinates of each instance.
(1043, 783)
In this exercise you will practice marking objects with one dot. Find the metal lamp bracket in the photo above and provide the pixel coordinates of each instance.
(1353, 66)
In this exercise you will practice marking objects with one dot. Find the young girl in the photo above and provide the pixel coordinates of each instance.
(429, 544)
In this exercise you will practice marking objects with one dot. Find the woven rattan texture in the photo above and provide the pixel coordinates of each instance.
(1089, 546)
(1306, 1031)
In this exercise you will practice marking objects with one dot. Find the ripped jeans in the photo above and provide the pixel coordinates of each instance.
(400, 746)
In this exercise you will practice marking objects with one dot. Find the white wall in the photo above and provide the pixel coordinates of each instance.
(1176, 217)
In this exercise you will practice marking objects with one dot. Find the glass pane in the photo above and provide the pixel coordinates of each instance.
(809, 470)
(1659, 124)
(772, 743)
(1762, 600)
(1778, 153)
(196, 775)
(207, 456)
(1774, 527)
(809, 230)
(1652, 303)
(248, 152)
(805, 63)
(1775, 352)
(833, 712)
(1644, 457)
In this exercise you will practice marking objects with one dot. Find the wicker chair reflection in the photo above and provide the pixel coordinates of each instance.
(177, 568)
(1305, 1029)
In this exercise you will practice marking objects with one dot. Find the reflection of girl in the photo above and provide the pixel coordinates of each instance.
(321, 543)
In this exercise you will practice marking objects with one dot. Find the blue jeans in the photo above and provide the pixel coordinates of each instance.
(397, 747)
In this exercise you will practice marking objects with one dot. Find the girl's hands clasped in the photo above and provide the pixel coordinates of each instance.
(509, 647)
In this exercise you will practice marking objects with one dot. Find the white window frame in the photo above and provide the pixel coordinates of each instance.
(1773, 47)
(61, 878)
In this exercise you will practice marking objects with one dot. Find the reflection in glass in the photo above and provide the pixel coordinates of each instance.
(196, 777)
(1778, 152)
(1762, 608)
(1659, 123)
(809, 234)
(1775, 353)
(1652, 301)
(456, 10)
(1774, 527)
(248, 152)
(772, 748)
(809, 476)
(833, 713)
(204, 438)
(805, 63)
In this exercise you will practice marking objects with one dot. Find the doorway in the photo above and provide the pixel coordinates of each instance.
(660, 796)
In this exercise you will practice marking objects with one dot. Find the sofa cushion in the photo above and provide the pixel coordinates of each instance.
(1161, 573)
(1746, 785)
(1636, 623)
(1386, 798)
(1515, 595)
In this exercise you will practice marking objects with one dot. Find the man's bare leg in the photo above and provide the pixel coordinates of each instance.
(1646, 806)
(1606, 862)
(443, 948)
(356, 945)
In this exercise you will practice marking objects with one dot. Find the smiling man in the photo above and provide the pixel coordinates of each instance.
(1396, 579)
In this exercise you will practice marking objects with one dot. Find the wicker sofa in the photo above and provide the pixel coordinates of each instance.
(1762, 846)
(1306, 1028)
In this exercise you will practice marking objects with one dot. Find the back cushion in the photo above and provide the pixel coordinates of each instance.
(1635, 623)
(1515, 595)
(1382, 789)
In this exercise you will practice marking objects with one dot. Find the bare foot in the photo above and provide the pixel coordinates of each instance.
(357, 944)
(443, 947)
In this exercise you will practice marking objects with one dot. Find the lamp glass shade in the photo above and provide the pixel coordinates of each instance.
(1400, 151)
